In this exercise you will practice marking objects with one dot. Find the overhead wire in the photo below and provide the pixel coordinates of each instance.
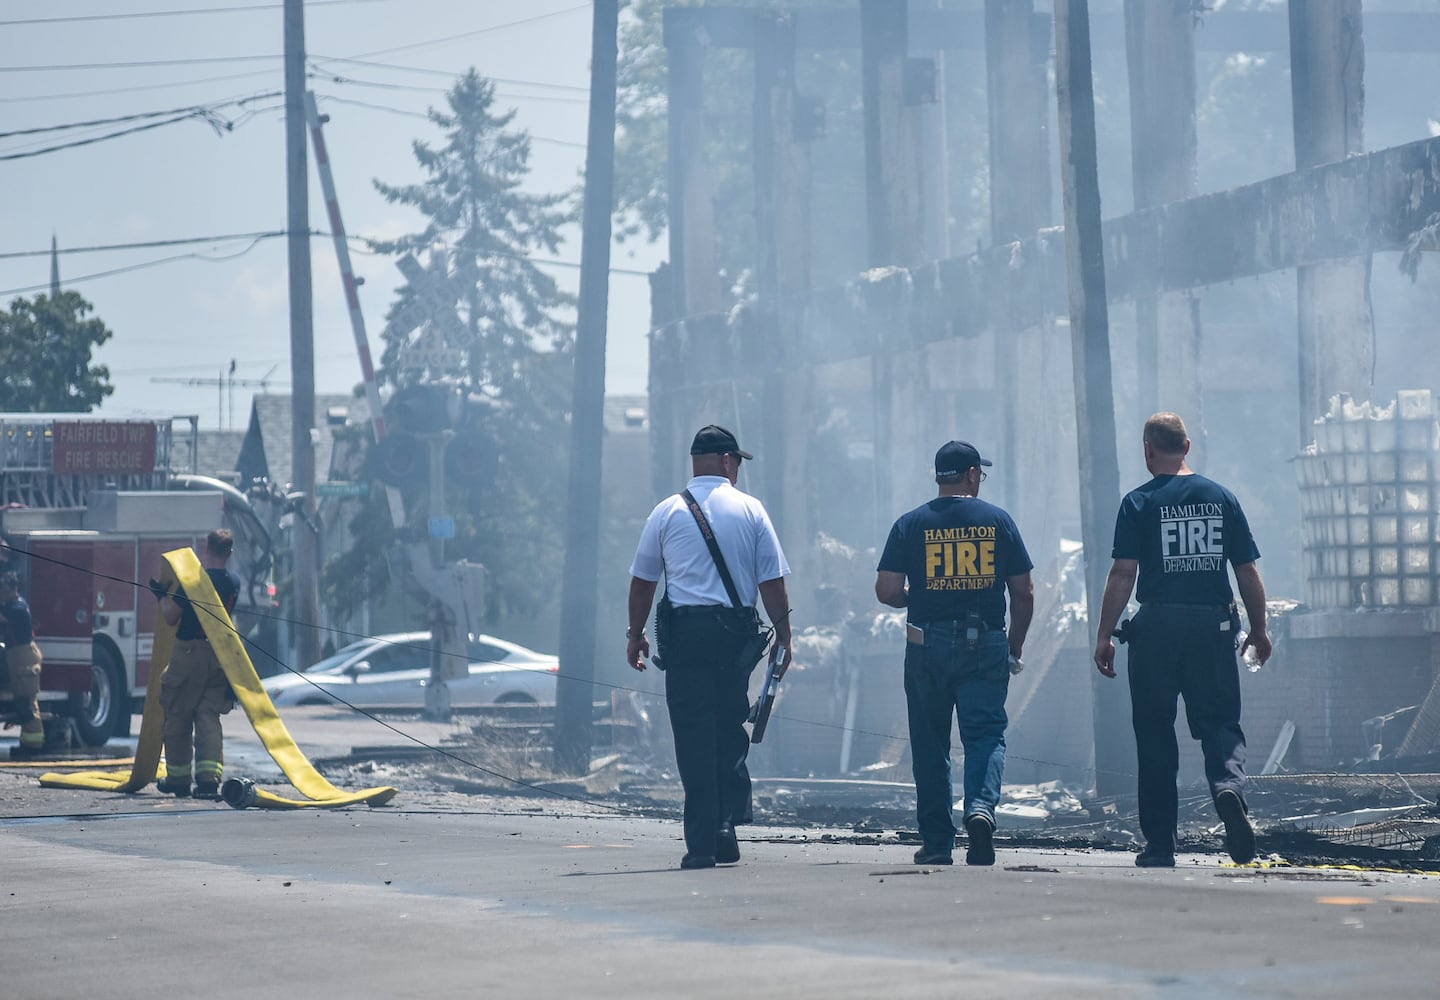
(137, 14)
(250, 75)
(459, 36)
(108, 91)
(140, 63)
(142, 265)
(330, 77)
(427, 71)
(137, 116)
(330, 98)
(208, 113)
(362, 244)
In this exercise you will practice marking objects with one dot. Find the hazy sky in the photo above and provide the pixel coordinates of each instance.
(186, 311)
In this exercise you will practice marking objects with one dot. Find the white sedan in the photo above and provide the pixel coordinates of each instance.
(392, 671)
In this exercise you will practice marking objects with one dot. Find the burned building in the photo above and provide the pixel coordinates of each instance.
(847, 384)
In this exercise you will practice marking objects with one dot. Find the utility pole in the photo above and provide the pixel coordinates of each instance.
(574, 688)
(302, 342)
(1090, 352)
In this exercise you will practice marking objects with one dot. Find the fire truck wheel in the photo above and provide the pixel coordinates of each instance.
(97, 715)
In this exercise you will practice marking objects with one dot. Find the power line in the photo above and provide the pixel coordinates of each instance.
(471, 34)
(382, 85)
(137, 64)
(141, 266)
(255, 240)
(139, 115)
(205, 116)
(131, 15)
(447, 73)
(425, 117)
(150, 244)
(69, 95)
(108, 91)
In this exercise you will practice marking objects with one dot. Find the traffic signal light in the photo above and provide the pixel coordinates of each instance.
(399, 460)
(471, 459)
(425, 409)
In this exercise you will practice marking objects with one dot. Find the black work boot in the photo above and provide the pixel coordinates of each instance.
(174, 786)
(727, 846)
(1155, 857)
(979, 831)
(1239, 834)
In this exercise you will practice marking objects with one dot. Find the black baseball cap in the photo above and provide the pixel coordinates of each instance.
(955, 457)
(713, 439)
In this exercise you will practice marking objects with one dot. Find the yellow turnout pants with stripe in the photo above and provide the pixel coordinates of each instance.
(193, 694)
(23, 663)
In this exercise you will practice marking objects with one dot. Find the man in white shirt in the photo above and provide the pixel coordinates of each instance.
(703, 635)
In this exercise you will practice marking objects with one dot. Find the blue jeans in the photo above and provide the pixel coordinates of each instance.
(943, 680)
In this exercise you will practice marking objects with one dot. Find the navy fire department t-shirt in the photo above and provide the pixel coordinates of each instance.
(1183, 530)
(17, 629)
(227, 588)
(956, 553)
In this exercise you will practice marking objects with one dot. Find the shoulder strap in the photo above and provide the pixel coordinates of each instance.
(714, 547)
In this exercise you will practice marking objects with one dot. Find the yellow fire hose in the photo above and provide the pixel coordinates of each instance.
(183, 565)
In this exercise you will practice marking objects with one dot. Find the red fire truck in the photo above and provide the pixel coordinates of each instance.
(85, 570)
(88, 508)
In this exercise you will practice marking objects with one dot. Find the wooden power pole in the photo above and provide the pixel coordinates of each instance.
(574, 689)
(302, 343)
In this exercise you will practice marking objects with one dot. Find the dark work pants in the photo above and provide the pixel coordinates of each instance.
(945, 680)
(1177, 653)
(708, 698)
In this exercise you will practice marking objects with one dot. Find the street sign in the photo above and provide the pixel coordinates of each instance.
(442, 527)
(342, 489)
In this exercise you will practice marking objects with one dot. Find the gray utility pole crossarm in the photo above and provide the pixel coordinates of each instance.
(574, 689)
(1090, 349)
(302, 341)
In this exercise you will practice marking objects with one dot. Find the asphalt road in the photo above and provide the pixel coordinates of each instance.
(446, 895)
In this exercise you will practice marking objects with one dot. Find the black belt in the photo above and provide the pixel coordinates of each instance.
(1219, 609)
(690, 610)
(960, 625)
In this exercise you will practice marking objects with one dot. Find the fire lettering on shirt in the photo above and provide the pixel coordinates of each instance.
(960, 564)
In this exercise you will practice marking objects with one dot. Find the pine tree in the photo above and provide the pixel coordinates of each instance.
(511, 335)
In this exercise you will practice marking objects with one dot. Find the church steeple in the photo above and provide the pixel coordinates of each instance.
(54, 268)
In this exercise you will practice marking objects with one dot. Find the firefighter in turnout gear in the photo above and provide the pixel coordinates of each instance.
(22, 657)
(194, 692)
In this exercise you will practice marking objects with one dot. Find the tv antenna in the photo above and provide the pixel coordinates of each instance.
(226, 383)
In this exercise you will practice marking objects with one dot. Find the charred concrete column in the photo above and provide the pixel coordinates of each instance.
(892, 85)
(691, 192)
(1090, 340)
(664, 438)
(784, 125)
(1337, 332)
(1017, 57)
(1160, 49)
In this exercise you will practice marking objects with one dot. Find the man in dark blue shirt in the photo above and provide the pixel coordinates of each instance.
(1178, 533)
(950, 562)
